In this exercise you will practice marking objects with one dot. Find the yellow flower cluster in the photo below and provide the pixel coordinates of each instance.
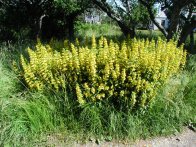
(130, 73)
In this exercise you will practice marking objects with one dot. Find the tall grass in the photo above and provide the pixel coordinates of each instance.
(24, 115)
(24, 120)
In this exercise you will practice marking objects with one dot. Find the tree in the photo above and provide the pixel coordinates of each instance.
(127, 13)
(19, 14)
(70, 10)
(179, 14)
(49, 17)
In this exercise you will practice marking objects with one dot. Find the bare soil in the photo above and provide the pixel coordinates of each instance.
(186, 139)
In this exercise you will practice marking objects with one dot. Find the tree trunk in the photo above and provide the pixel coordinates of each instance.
(152, 17)
(183, 36)
(70, 25)
(39, 33)
(126, 30)
(192, 42)
(174, 21)
(187, 29)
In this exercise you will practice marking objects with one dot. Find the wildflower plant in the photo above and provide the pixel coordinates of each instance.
(127, 74)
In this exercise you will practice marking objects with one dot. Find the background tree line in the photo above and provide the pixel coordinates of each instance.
(56, 18)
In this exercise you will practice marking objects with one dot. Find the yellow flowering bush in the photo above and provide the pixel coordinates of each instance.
(128, 74)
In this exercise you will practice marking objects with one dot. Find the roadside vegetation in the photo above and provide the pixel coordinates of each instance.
(30, 116)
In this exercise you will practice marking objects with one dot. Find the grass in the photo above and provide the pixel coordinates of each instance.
(87, 30)
(27, 117)
(24, 115)
(113, 31)
(22, 120)
(149, 34)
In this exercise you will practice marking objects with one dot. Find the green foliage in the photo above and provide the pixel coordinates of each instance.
(47, 18)
(71, 6)
(19, 18)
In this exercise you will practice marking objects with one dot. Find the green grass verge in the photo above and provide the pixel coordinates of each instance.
(88, 30)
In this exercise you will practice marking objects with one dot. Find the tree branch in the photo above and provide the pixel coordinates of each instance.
(113, 15)
(188, 27)
(119, 8)
(107, 9)
(152, 17)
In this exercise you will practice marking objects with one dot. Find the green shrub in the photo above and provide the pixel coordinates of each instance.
(128, 75)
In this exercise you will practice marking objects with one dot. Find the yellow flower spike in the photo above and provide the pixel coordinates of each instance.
(124, 52)
(114, 75)
(133, 99)
(143, 99)
(105, 43)
(86, 86)
(123, 75)
(92, 65)
(111, 92)
(79, 95)
(112, 50)
(106, 72)
(93, 43)
(122, 93)
(107, 88)
(86, 41)
(184, 59)
(66, 44)
(101, 42)
(103, 95)
(73, 50)
(77, 43)
(101, 87)
(117, 69)
(98, 96)
(81, 56)
(93, 90)
(22, 61)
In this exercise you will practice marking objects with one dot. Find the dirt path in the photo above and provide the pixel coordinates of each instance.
(186, 139)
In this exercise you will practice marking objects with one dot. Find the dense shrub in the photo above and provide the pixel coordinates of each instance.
(127, 75)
